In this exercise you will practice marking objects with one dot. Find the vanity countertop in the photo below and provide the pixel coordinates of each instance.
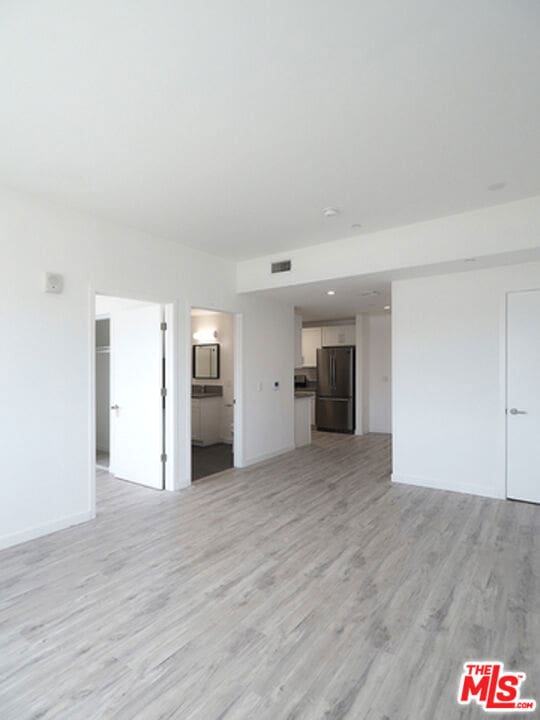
(202, 392)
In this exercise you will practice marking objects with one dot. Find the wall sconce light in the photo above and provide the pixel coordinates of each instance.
(205, 336)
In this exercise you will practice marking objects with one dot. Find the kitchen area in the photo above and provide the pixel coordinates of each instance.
(324, 379)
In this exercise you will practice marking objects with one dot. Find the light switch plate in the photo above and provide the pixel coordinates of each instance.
(54, 283)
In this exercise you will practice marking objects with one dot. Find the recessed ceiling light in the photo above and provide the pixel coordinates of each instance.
(330, 292)
(330, 212)
(356, 226)
(387, 307)
(497, 186)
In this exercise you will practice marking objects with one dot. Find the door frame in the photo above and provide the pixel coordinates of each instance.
(171, 375)
(504, 375)
(185, 403)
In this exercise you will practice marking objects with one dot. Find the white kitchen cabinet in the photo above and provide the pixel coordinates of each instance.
(298, 341)
(339, 335)
(206, 420)
(311, 342)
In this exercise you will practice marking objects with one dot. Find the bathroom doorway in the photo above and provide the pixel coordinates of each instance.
(212, 392)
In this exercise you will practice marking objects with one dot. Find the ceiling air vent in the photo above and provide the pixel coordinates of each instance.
(281, 266)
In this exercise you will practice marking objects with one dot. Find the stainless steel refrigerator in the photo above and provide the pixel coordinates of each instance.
(335, 389)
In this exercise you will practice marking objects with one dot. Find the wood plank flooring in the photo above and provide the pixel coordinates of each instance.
(307, 587)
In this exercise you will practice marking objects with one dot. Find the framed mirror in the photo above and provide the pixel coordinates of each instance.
(206, 362)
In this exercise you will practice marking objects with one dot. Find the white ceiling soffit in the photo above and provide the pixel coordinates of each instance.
(230, 126)
(373, 293)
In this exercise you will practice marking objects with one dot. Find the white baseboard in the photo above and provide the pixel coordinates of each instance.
(35, 532)
(435, 484)
(266, 456)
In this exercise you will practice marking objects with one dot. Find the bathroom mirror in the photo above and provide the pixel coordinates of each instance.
(206, 362)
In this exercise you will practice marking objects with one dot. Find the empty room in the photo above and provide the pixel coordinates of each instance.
(270, 360)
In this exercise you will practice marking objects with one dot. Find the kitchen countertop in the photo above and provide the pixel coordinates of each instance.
(204, 396)
(304, 393)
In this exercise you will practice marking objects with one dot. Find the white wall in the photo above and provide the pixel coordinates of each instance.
(508, 228)
(379, 373)
(448, 336)
(108, 306)
(362, 380)
(373, 374)
(47, 352)
(265, 334)
(223, 324)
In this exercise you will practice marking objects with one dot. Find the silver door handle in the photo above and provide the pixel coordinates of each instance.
(115, 407)
(515, 411)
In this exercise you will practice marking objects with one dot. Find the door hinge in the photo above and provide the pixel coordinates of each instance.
(163, 326)
(163, 457)
(163, 392)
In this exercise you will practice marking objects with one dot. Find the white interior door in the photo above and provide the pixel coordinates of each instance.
(136, 402)
(523, 396)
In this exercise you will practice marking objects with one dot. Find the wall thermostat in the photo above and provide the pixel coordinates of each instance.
(54, 283)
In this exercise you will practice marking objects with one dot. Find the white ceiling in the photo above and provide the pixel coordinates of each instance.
(228, 126)
(353, 296)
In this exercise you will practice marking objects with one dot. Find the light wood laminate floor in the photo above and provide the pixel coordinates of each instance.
(307, 587)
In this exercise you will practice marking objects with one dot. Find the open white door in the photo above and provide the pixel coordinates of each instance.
(137, 418)
(523, 396)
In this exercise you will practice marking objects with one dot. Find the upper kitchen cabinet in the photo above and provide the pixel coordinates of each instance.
(298, 341)
(339, 335)
(311, 342)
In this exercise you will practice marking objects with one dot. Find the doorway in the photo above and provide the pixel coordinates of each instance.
(130, 390)
(523, 396)
(103, 391)
(212, 392)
